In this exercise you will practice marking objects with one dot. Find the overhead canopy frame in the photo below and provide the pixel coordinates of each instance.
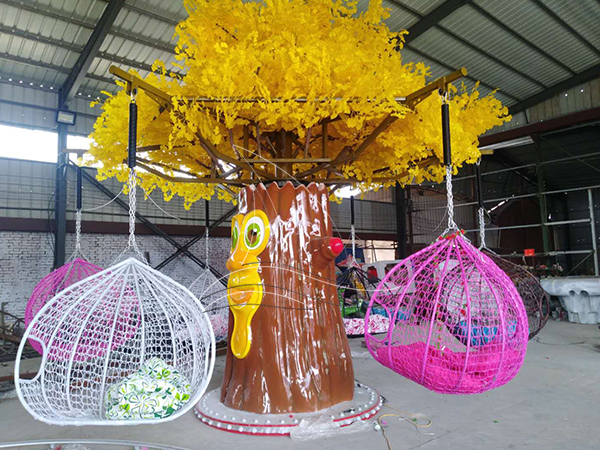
(283, 156)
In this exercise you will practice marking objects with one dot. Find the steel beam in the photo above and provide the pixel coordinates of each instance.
(90, 51)
(52, 14)
(79, 49)
(510, 164)
(433, 18)
(142, 218)
(578, 118)
(195, 239)
(579, 78)
(33, 63)
(593, 231)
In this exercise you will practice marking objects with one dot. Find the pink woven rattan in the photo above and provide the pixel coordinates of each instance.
(52, 284)
(535, 299)
(457, 324)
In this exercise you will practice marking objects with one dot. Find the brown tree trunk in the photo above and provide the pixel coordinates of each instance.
(299, 359)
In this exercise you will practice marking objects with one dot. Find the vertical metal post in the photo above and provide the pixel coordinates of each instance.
(411, 234)
(401, 232)
(593, 230)
(352, 229)
(60, 212)
(542, 199)
(543, 210)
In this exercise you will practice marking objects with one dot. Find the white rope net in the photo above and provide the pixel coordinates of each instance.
(212, 293)
(213, 296)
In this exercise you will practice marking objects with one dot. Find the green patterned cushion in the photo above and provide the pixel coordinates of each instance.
(155, 391)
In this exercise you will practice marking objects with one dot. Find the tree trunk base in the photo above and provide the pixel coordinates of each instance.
(299, 359)
(211, 411)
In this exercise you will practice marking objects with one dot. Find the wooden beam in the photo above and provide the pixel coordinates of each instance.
(327, 181)
(291, 160)
(324, 137)
(139, 83)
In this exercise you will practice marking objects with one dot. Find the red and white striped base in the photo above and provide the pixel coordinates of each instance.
(212, 412)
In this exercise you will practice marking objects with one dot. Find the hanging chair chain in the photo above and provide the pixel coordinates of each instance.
(482, 244)
(132, 209)
(444, 95)
(77, 250)
(206, 249)
(78, 231)
(132, 243)
(450, 197)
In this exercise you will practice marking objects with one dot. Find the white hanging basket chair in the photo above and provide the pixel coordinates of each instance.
(103, 335)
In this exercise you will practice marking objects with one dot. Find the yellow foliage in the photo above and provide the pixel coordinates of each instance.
(346, 65)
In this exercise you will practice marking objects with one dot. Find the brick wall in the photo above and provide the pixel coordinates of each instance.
(26, 257)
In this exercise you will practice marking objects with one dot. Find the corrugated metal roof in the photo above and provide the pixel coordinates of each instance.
(521, 47)
(533, 24)
(584, 18)
(447, 49)
(473, 27)
(424, 7)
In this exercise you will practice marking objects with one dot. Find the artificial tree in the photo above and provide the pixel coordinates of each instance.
(281, 91)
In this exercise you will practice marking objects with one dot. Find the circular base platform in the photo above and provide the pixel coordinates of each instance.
(212, 412)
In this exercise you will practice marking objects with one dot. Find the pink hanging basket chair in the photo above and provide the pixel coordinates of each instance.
(535, 299)
(53, 283)
(457, 323)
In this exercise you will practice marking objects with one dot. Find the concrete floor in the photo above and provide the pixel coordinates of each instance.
(554, 403)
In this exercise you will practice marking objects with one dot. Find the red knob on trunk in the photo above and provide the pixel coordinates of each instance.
(336, 245)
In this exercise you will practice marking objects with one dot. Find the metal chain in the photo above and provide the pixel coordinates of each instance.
(132, 244)
(78, 231)
(77, 238)
(451, 224)
(206, 249)
(481, 229)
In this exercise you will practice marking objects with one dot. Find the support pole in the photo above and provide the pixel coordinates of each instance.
(352, 229)
(411, 233)
(401, 251)
(543, 211)
(593, 230)
(542, 197)
(60, 215)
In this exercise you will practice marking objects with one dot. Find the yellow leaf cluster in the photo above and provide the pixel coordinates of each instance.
(347, 66)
